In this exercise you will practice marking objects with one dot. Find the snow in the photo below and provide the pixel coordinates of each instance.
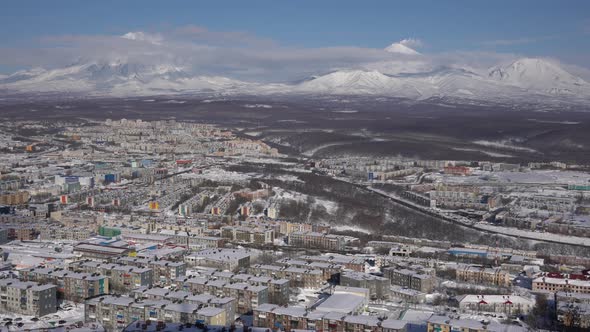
(350, 228)
(539, 74)
(503, 145)
(401, 48)
(217, 174)
(346, 111)
(555, 122)
(173, 101)
(358, 82)
(536, 235)
(411, 77)
(404, 46)
(330, 206)
(71, 316)
(488, 153)
(257, 106)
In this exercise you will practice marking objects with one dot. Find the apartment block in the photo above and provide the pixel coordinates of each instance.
(121, 277)
(298, 319)
(224, 259)
(329, 270)
(422, 282)
(506, 304)
(228, 304)
(378, 286)
(14, 198)
(164, 271)
(317, 241)
(71, 286)
(100, 252)
(353, 263)
(247, 296)
(115, 313)
(446, 324)
(481, 275)
(248, 234)
(298, 277)
(27, 298)
(563, 284)
(286, 227)
(65, 233)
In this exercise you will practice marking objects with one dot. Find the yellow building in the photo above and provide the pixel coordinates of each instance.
(14, 198)
(446, 324)
(481, 275)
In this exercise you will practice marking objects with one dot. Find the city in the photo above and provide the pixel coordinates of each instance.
(127, 223)
(293, 166)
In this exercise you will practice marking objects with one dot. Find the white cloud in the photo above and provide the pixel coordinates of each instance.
(233, 54)
(517, 41)
(155, 39)
(411, 42)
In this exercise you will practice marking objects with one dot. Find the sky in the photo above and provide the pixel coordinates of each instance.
(52, 33)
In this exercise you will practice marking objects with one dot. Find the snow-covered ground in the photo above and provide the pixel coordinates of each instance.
(73, 314)
(544, 177)
(330, 206)
(350, 228)
(218, 174)
(535, 235)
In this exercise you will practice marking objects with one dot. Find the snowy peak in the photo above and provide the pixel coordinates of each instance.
(115, 77)
(349, 81)
(533, 73)
(523, 80)
(401, 49)
(347, 78)
(355, 82)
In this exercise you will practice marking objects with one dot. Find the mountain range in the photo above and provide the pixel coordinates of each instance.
(523, 79)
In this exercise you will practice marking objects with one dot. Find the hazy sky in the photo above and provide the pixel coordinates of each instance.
(45, 33)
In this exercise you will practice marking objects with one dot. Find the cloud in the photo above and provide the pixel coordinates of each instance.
(197, 50)
(517, 41)
(196, 33)
(411, 42)
(235, 54)
(155, 39)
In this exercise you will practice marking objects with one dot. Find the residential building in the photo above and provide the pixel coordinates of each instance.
(298, 277)
(317, 240)
(506, 304)
(482, 275)
(71, 286)
(100, 252)
(224, 259)
(561, 284)
(419, 281)
(378, 286)
(446, 324)
(27, 298)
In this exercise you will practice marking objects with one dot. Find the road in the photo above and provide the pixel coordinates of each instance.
(482, 227)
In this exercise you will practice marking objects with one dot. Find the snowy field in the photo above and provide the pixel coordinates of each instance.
(529, 177)
(70, 316)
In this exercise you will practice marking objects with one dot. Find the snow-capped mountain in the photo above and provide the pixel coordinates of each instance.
(525, 78)
(358, 82)
(118, 78)
(401, 49)
(521, 80)
(539, 75)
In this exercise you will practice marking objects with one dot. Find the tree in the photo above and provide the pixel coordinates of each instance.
(541, 317)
